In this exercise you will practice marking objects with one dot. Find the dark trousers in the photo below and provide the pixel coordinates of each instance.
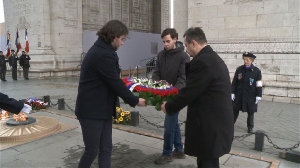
(209, 163)
(97, 138)
(25, 72)
(2, 72)
(14, 73)
(250, 118)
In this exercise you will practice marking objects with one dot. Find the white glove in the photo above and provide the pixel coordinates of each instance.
(232, 97)
(257, 99)
(26, 109)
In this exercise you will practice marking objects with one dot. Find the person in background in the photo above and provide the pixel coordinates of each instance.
(99, 86)
(246, 89)
(3, 61)
(24, 63)
(170, 66)
(209, 123)
(13, 63)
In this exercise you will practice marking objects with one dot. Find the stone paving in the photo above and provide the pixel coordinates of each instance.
(279, 120)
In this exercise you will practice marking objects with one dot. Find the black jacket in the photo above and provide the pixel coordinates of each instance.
(10, 104)
(246, 87)
(13, 61)
(100, 84)
(3, 61)
(209, 123)
(24, 61)
(170, 66)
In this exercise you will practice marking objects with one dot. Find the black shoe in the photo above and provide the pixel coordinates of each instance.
(250, 130)
(4, 80)
(15, 79)
(26, 78)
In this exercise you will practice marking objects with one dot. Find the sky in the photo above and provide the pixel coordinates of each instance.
(1, 12)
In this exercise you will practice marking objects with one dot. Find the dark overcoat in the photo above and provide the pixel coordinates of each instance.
(100, 83)
(209, 123)
(10, 104)
(13, 61)
(24, 61)
(246, 86)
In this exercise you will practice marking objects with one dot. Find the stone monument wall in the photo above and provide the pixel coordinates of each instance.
(268, 28)
(54, 31)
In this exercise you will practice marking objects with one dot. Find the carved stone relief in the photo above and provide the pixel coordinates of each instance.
(23, 23)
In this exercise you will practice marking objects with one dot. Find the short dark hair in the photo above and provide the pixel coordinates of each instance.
(112, 29)
(170, 31)
(195, 33)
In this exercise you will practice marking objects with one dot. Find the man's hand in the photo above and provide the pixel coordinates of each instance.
(142, 102)
(163, 107)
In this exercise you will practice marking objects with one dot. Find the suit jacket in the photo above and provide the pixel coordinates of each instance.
(10, 104)
(24, 61)
(100, 83)
(13, 61)
(209, 123)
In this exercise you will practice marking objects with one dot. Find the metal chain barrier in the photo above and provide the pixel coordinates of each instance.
(155, 125)
(243, 136)
(52, 104)
(277, 147)
(69, 107)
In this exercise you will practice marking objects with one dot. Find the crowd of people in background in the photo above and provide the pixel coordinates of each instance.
(13, 62)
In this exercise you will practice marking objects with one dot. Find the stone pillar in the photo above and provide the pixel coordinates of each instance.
(66, 32)
(161, 11)
(180, 14)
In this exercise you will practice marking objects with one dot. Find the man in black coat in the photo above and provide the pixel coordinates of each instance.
(13, 105)
(209, 123)
(246, 89)
(3, 61)
(13, 63)
(24, 63)
(99, 86)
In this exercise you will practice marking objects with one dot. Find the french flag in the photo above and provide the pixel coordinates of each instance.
(17, 43)
(26, 41)
(8, 44)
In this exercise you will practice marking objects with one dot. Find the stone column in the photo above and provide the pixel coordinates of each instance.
(161, 11)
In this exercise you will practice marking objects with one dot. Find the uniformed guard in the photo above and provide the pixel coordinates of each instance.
(24, 63)
(3, 61)
(246, 89)
(13, 63)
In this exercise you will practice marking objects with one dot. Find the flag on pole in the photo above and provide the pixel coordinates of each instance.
(26, 41)
(7, 44)
(17, 43)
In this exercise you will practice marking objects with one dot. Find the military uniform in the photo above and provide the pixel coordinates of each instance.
(247, 89)
(13, 62)
(3, 61)
(24, 62)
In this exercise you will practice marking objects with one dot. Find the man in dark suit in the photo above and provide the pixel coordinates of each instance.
(99, 86)
(24, 63)
(3, 61)
(13, 105)
(13, 63)
(209, 124)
